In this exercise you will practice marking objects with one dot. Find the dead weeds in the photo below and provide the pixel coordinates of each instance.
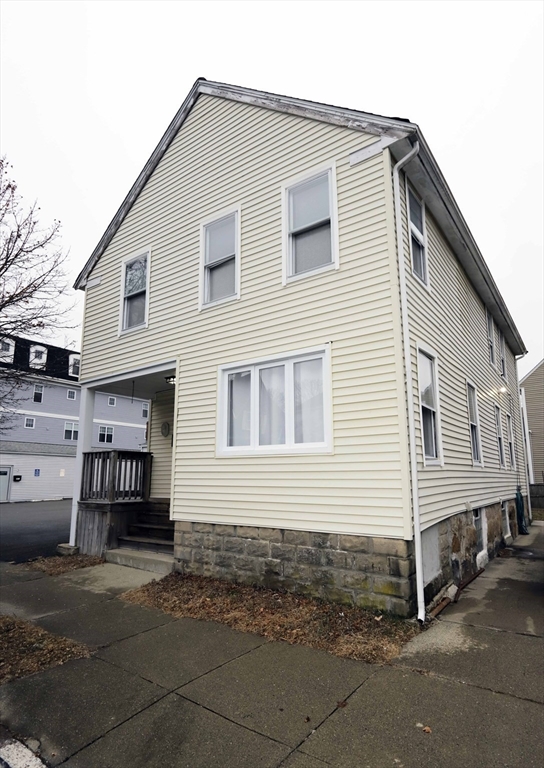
(55, 566)
(341, 630)
(26, 649)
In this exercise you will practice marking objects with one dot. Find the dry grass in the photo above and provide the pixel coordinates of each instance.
(26, 649)
(343, 631)
(54, 566)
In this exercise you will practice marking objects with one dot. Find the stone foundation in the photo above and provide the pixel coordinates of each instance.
(368, 572)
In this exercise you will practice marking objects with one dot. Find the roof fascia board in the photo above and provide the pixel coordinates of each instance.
(428, 180)
(358, 121)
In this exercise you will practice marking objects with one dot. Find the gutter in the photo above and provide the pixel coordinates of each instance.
(409, 388)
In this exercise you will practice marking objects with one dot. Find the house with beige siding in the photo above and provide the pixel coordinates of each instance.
(532, 392)
(331, 367)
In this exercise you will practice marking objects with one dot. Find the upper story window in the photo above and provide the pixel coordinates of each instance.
(500, 439)
(7, 350)
(71, 394)
(428, 400)
(502, 353)
(73, 365)
(71, 429)
(490, 337)
(310, 231)
(105, 434)
(418, 247)
(135, 280)
(38, 393)
(112, 401)
(220, 259)
(30, 422)
(281, 405)
(37, 356)
(474, 424)
(145, 410)
(510, 438)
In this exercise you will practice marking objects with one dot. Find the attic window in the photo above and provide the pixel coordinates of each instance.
(7, 350)
(37, 357)
(418, 248)
(73, 365)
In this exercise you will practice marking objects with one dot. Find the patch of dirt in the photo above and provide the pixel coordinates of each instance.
(58, 564)
(538, 514)
(26, 649)
(348, 632)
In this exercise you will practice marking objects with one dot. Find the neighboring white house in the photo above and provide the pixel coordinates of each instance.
(332, 369)
(39, 430)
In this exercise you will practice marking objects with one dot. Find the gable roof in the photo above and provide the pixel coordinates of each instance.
(397, 133)
(533, 370)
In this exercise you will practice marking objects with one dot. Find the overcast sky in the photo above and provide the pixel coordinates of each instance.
(88, 88)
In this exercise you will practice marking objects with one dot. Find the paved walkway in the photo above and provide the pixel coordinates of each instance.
(166, 693)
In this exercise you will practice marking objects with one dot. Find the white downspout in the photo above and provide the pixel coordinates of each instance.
(409, 389)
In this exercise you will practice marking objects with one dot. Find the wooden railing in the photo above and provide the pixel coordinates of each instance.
(116, 476)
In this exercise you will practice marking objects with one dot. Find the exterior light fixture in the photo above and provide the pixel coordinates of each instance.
(172, 379)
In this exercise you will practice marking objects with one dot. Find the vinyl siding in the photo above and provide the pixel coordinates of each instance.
(229, 154)
(49, 485)
(162, 410)
(533, 384)
(450, 318)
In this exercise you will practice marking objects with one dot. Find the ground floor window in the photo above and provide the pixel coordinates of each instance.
(278, 405)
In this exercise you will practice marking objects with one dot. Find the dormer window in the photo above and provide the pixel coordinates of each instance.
(7, 350)
(73, 365)
(37, 357)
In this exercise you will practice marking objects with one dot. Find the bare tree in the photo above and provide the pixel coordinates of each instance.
(33, 282)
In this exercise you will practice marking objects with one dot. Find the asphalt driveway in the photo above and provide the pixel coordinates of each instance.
(30, 529)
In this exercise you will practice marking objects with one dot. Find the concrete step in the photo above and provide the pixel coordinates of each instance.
(155, 562)
(152, 531)
(146, 543)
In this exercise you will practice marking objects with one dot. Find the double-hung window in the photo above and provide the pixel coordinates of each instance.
(135, 290)
(38, 393)
(220, 259)
(474, 424)
(310, 231)
(502, 353)
(280, 405)
(500, 439)
(145, 410)
(418, 249)
(71, 430)
(105, 434)
(490, 337)
(428, 398)
(510, 437)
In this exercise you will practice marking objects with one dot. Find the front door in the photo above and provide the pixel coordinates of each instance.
(5, 477)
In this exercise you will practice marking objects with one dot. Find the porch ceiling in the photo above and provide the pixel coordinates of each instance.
(136, 384)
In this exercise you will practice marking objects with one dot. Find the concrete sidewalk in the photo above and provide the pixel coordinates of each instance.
(160, 692)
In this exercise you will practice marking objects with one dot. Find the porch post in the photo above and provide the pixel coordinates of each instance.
(84, 442)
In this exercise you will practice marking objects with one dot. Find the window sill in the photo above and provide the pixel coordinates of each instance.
(307, 451)
(310, 273)
(219, 302)
(433, 463)
(134, 329)
(421, 282)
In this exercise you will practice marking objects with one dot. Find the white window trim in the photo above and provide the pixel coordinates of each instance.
(480, 463)
(502, 459)
(490, 333)
(71, 360)
(138, 254)
(237, 211)
(74, 428)
(42, 392)
(329, 168)
(145, 406)
(503, 370)
(439, 461)
(105, 433)
(112, 405)
(29, 426)
(421, 237)
(222, 450)
(38, 364)
(511, 443)
(74, 398)
(8, 355)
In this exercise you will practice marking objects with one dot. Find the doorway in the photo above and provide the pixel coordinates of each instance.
(5, 482)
